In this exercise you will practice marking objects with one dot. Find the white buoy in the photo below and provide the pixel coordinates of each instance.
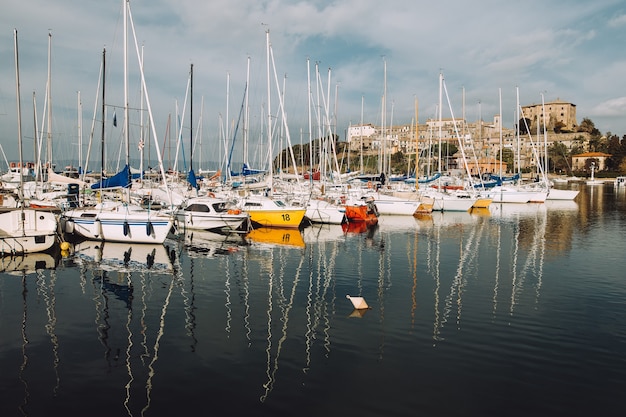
(358, 302)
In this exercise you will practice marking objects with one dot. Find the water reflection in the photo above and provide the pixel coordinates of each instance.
(252, 312)
(27, 263)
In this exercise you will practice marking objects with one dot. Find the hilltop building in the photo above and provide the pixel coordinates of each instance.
(480, 139)
(560, 116)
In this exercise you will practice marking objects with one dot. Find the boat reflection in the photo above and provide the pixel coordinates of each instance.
(321, 232)
(124, 257)
(359, 227)
(276, 236)
(27, 263)
(200, 243)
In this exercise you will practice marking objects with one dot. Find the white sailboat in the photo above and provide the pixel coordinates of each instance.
(25, 230)
(444, 200)
(120, 221)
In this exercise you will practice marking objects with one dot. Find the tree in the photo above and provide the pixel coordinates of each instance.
(559, 157)
(508, 158)
(617, 149)
(558, 126)
(524, 125)
(586, 125)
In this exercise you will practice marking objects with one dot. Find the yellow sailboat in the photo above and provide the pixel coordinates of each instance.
(269, 212)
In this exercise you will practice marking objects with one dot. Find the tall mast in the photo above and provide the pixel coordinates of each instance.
(440, 118)
(246, 115)
(80, 131)
(191, 118)
(126, 113)
(19, 117)
(269, 111)
(49, 92)
(500, 128)
(104, 53)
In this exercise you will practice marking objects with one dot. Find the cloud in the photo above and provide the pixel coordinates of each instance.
(617, 21)
(566, 49)
(612, 107)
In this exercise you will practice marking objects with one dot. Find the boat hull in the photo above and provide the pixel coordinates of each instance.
(321, 211)
(27, 231)
(117, 226)
(199, 221)
(290, 218)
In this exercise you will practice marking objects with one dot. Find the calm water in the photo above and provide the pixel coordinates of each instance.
(517, 311)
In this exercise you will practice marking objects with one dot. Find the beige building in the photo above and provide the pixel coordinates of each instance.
(480, 139)
(556, 112)
(579, 161)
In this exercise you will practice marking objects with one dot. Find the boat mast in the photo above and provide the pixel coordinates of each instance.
(49, 88)
(191, 118)
(417, 145)
(126, 113)
(269, 111)
(19, 126)
(104, 52)
(500, 129)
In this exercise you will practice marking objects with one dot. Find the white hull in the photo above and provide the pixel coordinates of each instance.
(450, 202)
(209, 213)
(557, 194)
(321, 211)
(395, 206)
(27, 231)
(115, 222)
(197, 221)
(515, 195)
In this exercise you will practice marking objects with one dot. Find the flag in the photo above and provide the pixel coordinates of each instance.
(114, 119)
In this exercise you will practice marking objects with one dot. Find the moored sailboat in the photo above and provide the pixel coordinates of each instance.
(119, 221)
(25, 230)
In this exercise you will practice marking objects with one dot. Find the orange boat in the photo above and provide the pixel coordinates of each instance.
(365, 211)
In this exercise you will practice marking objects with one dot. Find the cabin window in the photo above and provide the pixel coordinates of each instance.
(202, 208)
(220, 207)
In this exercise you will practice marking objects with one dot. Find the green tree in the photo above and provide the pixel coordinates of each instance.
(508, 159)
(617, 149)
(559, 157)
(558, 126)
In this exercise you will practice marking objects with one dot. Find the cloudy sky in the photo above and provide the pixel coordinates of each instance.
(566, 49)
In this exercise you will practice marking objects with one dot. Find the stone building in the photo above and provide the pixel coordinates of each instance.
(557, 113)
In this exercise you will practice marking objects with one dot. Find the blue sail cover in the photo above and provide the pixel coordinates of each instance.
(511, 178)
(431, 179)
(245, 171)
(191, 178)
(119, 180)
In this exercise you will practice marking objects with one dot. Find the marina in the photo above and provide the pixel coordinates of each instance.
(513, 310)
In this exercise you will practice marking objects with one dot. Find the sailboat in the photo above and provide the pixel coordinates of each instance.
(25, 230)
(449, 200)
(113, 220)
(267, 210)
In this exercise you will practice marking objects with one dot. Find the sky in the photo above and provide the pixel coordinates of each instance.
(363, 50)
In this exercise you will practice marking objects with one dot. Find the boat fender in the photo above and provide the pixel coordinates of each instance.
(69, 227)
(149, 228)
(126, 228)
